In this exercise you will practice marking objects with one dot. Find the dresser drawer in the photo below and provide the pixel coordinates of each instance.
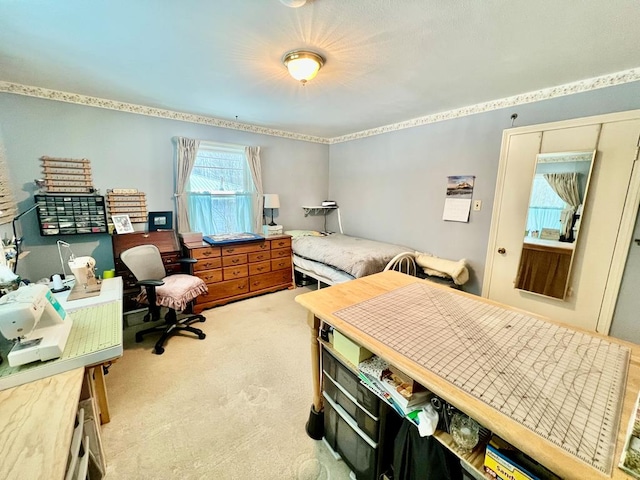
(206, 252)
(207, 264)
(281, 263)
(233, 260)
(225, 289)
(271, 279)
(210, 276)
(251, 247)
(261, 267)
(281, 253)
(259, 256)
(229, 273)
(281, 243)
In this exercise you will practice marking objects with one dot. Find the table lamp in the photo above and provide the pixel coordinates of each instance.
(271, 200)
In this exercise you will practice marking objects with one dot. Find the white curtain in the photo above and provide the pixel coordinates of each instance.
(566, 186)
(186, 151)
(253, 159)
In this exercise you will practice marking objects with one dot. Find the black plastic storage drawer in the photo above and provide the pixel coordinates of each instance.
(365, 421)
(361, 455)
(350, 382)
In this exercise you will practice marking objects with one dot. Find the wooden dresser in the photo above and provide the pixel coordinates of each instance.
(167, 243)
(241, 270)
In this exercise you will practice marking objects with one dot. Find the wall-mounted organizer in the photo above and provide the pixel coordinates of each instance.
(71, 214)
(66, 175)
(128, 201)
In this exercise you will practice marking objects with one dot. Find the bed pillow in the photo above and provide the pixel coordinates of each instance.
(303, 233)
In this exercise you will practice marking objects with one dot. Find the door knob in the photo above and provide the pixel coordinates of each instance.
(502, 251)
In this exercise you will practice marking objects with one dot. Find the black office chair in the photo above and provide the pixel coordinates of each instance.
(174, 292)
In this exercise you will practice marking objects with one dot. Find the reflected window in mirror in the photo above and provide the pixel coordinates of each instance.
(556, 206)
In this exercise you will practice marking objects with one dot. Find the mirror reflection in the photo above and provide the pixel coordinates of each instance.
(556, 208)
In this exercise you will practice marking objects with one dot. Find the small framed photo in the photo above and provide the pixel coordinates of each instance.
(122, 223)
(160, 221)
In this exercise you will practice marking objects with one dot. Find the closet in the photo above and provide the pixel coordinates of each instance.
(606, 223)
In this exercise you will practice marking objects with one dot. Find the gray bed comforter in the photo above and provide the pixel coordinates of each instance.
(356, 256)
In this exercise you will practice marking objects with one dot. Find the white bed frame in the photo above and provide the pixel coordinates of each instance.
(403, 262)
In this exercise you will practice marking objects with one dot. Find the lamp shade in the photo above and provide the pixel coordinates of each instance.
(303, 65)
(271, 200)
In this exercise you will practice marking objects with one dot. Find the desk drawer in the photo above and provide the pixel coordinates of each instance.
(210, 276)
(206, 252)
(251, 247)
(225, 289)
(261, 267)
(348, 380)
(365, 421)
(281, 263)
(281, 253)
(229, 273)
(281, 243)
(259, 256)
(234, 260)
(266, 280)
(207, 264)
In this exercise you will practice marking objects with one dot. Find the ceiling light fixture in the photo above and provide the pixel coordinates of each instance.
(293, 3)
(303, 65)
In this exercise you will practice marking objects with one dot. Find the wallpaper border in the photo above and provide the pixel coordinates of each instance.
(610, 80)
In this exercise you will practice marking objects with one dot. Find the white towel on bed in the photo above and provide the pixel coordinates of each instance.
(441, 267)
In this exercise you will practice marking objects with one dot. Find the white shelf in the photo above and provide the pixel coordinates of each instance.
(318, 210)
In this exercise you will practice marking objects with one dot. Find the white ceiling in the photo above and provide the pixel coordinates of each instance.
(387, 61)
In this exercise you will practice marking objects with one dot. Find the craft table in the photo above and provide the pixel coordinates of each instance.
(95, 339)
(327, 305)
(36, 423)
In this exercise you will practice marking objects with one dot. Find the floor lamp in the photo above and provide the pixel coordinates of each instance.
(272, 201)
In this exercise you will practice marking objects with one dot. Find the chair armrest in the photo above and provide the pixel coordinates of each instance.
(186, 261)
(150, 283)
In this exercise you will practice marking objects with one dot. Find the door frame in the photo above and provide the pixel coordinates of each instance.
(627, 223)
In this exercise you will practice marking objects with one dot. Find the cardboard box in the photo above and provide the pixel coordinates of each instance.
(349, 349)
(509, 464)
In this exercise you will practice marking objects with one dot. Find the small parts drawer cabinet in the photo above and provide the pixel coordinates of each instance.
(241, 270)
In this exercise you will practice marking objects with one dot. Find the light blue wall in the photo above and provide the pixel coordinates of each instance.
(391, 187)
(136, 151)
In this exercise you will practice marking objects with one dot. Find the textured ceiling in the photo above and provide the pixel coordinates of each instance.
(387, 61)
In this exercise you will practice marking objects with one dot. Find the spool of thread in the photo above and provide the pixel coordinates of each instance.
(57, 282)
(109, 273)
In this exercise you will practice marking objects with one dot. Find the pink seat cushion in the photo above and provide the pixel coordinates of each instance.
(177, 291)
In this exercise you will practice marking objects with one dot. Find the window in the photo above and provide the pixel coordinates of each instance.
(545, 206)
(220, 190)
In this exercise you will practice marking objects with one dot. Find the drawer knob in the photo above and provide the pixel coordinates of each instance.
(241, 287)
(235, 260)
(206, 253)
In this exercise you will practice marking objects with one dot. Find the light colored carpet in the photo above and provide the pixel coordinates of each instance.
(232, 406)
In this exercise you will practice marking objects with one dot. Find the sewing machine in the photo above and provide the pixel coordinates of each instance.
(33, 319)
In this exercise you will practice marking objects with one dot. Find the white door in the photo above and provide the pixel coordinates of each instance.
(615, 137)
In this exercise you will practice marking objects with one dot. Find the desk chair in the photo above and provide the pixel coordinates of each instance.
(174, 292)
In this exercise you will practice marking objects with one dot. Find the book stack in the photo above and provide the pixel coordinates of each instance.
(405, 395)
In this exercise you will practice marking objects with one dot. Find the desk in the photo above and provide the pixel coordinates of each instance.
(36, 425)
(323, 304)
(95, 338)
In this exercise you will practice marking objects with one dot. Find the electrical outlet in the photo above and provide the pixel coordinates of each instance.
(477, 205)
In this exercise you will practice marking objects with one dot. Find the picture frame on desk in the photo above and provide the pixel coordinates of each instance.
(122, 224)
(160, 221)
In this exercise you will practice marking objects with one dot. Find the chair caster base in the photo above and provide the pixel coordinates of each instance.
(202, 336)
(158, 350)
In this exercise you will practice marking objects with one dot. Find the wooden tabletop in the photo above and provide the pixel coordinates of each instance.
(36, 424)
(322, 303)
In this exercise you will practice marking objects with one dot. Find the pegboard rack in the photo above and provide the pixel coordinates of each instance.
(128, 202)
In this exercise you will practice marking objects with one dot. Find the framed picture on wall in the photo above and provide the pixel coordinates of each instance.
(122, 223)
(160, 221)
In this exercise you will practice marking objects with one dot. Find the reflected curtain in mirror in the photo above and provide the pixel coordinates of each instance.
(556, 205)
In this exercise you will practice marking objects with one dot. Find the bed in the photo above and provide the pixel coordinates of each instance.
(338, 258)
